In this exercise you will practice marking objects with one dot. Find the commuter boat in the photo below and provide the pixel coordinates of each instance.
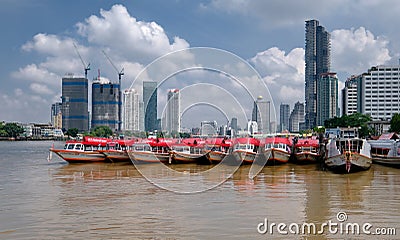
(87, 150)
(345, 155)
(386, 150)
(245, 149)
(116, 151)
(217, 149)
(277, 150)
(190, 150)
(150, 151)
(306, 151)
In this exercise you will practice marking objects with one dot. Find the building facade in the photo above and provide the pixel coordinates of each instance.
(381, 92)
(261, 114)
(317, 60)
(351, 95)
(296, 119)
(173, 112)
(105, 105)
(327, 98)
(150, 105)
(74, 105)
(284, 112)
(56, 115)
(131, 110)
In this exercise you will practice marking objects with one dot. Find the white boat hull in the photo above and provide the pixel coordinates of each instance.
(276, 156)
(72, 156)
(149, 157)
(245, 157)
(348, 162)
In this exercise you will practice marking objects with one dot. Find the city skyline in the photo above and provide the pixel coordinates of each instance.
(40, 55)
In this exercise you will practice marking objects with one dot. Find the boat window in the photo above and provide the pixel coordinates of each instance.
(71, 146)
(65, 146)
(78, 146)
(88, 148)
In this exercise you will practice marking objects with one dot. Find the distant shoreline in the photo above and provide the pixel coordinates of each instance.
(7, 139)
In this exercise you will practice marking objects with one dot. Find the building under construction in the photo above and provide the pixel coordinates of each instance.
(105, 104)
(74, 106)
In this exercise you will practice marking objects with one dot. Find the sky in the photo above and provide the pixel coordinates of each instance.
(38, 40)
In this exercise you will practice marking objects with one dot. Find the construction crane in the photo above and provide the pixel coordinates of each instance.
(86, 67)
(120, 74)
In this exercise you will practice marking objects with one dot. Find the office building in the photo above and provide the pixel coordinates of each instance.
(284, 112)
(381, 89)
(317, 60)
(105, 105)
(131, 110)
(327, 98)
(351, 95)
(172, 114)
(56, 115)
(261, 114)
(150, 105)
(74, 105)
(296, 119)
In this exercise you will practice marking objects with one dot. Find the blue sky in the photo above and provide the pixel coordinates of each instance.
(36, 45)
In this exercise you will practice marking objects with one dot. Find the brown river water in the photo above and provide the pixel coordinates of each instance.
(56, 200)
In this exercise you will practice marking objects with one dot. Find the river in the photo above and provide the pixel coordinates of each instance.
(43, 199)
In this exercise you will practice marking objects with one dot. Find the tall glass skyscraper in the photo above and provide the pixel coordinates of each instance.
(173, 117)
(75, 103)
(150, 105)
(317, 59)
(284, 111)
(261, 114)
(105, 105)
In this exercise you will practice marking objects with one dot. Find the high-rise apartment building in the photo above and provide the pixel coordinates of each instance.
(327, 97)
(351, 95)
(296, 117)
(56, 115)
(261, 114)
(208, 128)
(150, 105)
(172, 115)
(75, 103)
(131, 110)
(381, 92)
(317, 59)
(284, 111)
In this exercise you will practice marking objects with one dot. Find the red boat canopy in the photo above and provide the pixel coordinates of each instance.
(307, 143)
(247, 140)
(278, 140)
(95, 141)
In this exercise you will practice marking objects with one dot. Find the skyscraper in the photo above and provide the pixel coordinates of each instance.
(261, 115)
(56, 115)
(284, 111)
(150, 105)
(75, 103)
(327, 97)
(173, 117)
(351, 95)
(131, 110)
(317, 59)
(296, 117)
(105, 105)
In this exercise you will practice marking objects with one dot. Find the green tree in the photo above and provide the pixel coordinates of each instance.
(395, 123)
(102, 131)
(12, 129)
(354, 120)
(72, 132)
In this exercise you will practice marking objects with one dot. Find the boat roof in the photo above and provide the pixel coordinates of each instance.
(387, 136)
(247, 140)
(277, 140)
(307, 142)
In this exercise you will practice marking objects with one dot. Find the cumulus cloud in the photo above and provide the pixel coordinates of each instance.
(34, 73)
(283, 73)
(120, 31)
(356, 50)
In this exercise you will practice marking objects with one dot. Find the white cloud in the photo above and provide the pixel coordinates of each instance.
(40, 89)
(34, 73)
(356, 50)
(133, 39)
